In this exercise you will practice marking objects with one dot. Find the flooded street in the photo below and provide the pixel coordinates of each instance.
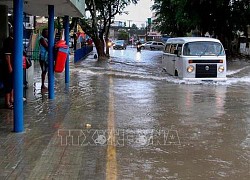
(171, 129)
(126, 119)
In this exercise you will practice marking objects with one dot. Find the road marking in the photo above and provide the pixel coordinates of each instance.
(111, 162)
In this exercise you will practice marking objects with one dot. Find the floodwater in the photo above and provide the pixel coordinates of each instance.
(126, 119)
(209, 122)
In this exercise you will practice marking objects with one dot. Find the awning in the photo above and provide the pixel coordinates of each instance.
(72, 8)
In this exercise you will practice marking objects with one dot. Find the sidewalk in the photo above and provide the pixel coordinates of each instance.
(37, 153)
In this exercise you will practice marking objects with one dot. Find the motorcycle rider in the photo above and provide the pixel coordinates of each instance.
(138, 45)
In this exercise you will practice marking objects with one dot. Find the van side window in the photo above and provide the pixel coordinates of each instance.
(186, 50)
(179, 48)
(167, 48)
(173, 47)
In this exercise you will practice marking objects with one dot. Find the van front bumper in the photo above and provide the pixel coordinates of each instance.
(205, 79)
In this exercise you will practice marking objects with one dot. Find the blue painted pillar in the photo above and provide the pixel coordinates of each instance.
(18, 65)
(51, 75)
(66, 28)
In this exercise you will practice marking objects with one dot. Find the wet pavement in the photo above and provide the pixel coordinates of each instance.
(126, 119)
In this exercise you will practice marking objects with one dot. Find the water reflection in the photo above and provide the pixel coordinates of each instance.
(138, 56)
(204, 101)
(212, 121)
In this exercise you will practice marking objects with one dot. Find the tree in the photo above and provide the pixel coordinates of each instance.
(172, 17)
(123, 35)
(97, 27)
(134, 26)
(222, 18)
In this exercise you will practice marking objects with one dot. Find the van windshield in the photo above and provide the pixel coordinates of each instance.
(203, 49)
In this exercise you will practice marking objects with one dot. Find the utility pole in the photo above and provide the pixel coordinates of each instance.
(129, 30)
(129, 23)
(148, 28)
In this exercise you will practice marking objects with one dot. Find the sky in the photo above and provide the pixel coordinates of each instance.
(137, 13)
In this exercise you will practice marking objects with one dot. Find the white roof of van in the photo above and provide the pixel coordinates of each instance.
(190, 39)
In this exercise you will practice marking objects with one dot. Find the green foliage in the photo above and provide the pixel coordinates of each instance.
(59, 23)
(134, 26)
(102, 13)
(219, 17)
(123, 35)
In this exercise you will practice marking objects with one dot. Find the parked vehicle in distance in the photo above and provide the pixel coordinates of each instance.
(153, 45)
(195, 58)
(146, 45)
(120, 44)
(142, 41)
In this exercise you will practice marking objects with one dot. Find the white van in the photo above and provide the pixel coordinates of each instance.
(195, 58)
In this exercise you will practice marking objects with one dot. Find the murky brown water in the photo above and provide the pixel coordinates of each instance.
(211, 120)
(144, 123)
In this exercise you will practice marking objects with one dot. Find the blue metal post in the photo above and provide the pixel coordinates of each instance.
(66, 28)
(51, 78)
(18, 65)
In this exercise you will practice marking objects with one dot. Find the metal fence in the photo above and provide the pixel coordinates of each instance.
(82, 52)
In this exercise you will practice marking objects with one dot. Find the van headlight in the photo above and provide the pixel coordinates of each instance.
(221, 69)
(190, 68)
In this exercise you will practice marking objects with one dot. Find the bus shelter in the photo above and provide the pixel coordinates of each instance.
(51, 9)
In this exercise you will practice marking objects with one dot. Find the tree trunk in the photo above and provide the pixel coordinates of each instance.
(107, 47)
(100, 50)
(107, 30)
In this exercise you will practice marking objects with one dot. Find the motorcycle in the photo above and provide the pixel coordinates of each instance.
(138, 48)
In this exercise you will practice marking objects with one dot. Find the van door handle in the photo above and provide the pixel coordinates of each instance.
(174, 60)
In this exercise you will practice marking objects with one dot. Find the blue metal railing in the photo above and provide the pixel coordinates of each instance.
(82, 52)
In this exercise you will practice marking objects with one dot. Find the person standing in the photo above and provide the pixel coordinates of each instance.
(24, 70)
(43, 56)
(8, 48)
